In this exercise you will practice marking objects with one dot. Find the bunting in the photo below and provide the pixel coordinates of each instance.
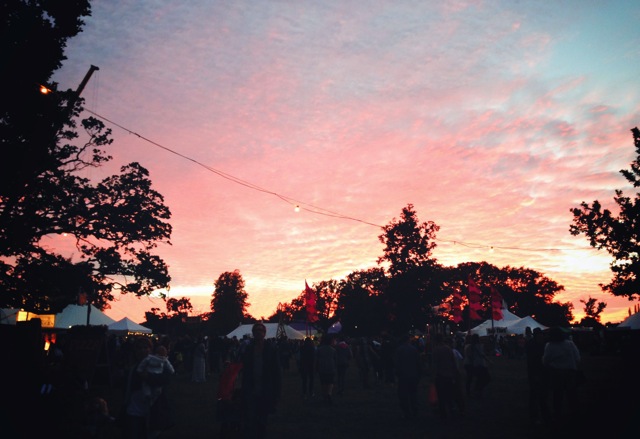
(474, 300)
(310, 303)
(496, 304)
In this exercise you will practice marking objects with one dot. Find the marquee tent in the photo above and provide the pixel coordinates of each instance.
(272, 330)
(128, 326)
(521, 325)
(509, 324)
(74, 315)
(8, 316)
(631, 322)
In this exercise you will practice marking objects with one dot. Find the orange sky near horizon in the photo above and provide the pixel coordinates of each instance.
(493, 119)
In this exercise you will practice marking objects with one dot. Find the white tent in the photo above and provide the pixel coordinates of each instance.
(126, 326)
(272, 330)
(521, 325)
(508, 318)
(74, 315)
(8, 316)
(631, 322)
(509, 324)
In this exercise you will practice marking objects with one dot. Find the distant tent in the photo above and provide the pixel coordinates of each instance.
(74, 315)
(128, 326)
(485, 327)
(521, 325)
(510, 324)
(305, 327)
(272, 329)
(8, 316)
(631, 322)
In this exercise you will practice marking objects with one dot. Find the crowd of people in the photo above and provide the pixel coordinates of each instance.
(458, 367)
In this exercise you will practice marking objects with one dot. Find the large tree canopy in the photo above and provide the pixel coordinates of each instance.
(617, 234)
(228, 301)
(45, 199)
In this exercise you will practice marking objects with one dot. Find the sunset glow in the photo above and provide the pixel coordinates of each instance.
(284, 135)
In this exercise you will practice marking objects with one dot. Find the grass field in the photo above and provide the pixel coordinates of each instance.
(606, 408)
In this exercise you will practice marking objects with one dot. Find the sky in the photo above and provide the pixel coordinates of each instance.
(492, 118)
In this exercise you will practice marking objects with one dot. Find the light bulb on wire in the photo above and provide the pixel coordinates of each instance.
(297, 208)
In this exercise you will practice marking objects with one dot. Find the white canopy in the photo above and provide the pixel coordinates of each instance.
(521, 325)
(74, 315)
(126, 325)
(631, 322)
(509, 324)
(272, 330)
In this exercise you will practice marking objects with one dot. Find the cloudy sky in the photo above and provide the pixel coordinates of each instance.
(493, 118)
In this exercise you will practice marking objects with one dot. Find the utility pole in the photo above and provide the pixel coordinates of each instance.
(85, 80)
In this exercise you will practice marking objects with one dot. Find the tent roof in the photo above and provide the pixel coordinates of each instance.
(127, 325)
(74, 315)
(8, 316)
(272, 330)
(521, 325)
(511, 322)
(632, 322)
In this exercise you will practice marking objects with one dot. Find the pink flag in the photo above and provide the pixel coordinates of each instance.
(456, 305)
(474, 300)
(310, 303)
(496, 304)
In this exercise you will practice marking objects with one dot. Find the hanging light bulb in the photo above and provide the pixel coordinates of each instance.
(297, 208)
(491, 249)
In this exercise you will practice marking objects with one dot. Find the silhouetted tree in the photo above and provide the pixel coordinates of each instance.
(413, 272)
(179, 307)
(115, 223)
(526, 292)
(361, 306)
(229, 301)
(618, 234)
(592, 310)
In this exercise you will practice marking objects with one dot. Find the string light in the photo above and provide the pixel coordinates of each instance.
(299, 205)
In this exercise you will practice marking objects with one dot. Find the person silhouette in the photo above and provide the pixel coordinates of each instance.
(408, 372)
(261, 382)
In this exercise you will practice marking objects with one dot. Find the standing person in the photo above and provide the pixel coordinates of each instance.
(343, 358)
(307, 367)
(407, 368)
(479, 364)
(138, 407)
(445, 372)
(458, 392)
(468, 364)
(362, 355)
(261, 382)
(200, 361)
(561, 358)
(326, 365)
(387, 351)
(537, 378)
(153, 367)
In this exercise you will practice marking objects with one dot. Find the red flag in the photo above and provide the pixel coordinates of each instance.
(474, 300)
(456, 305)
(496, 304)
(310, 303)
(82, 298)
